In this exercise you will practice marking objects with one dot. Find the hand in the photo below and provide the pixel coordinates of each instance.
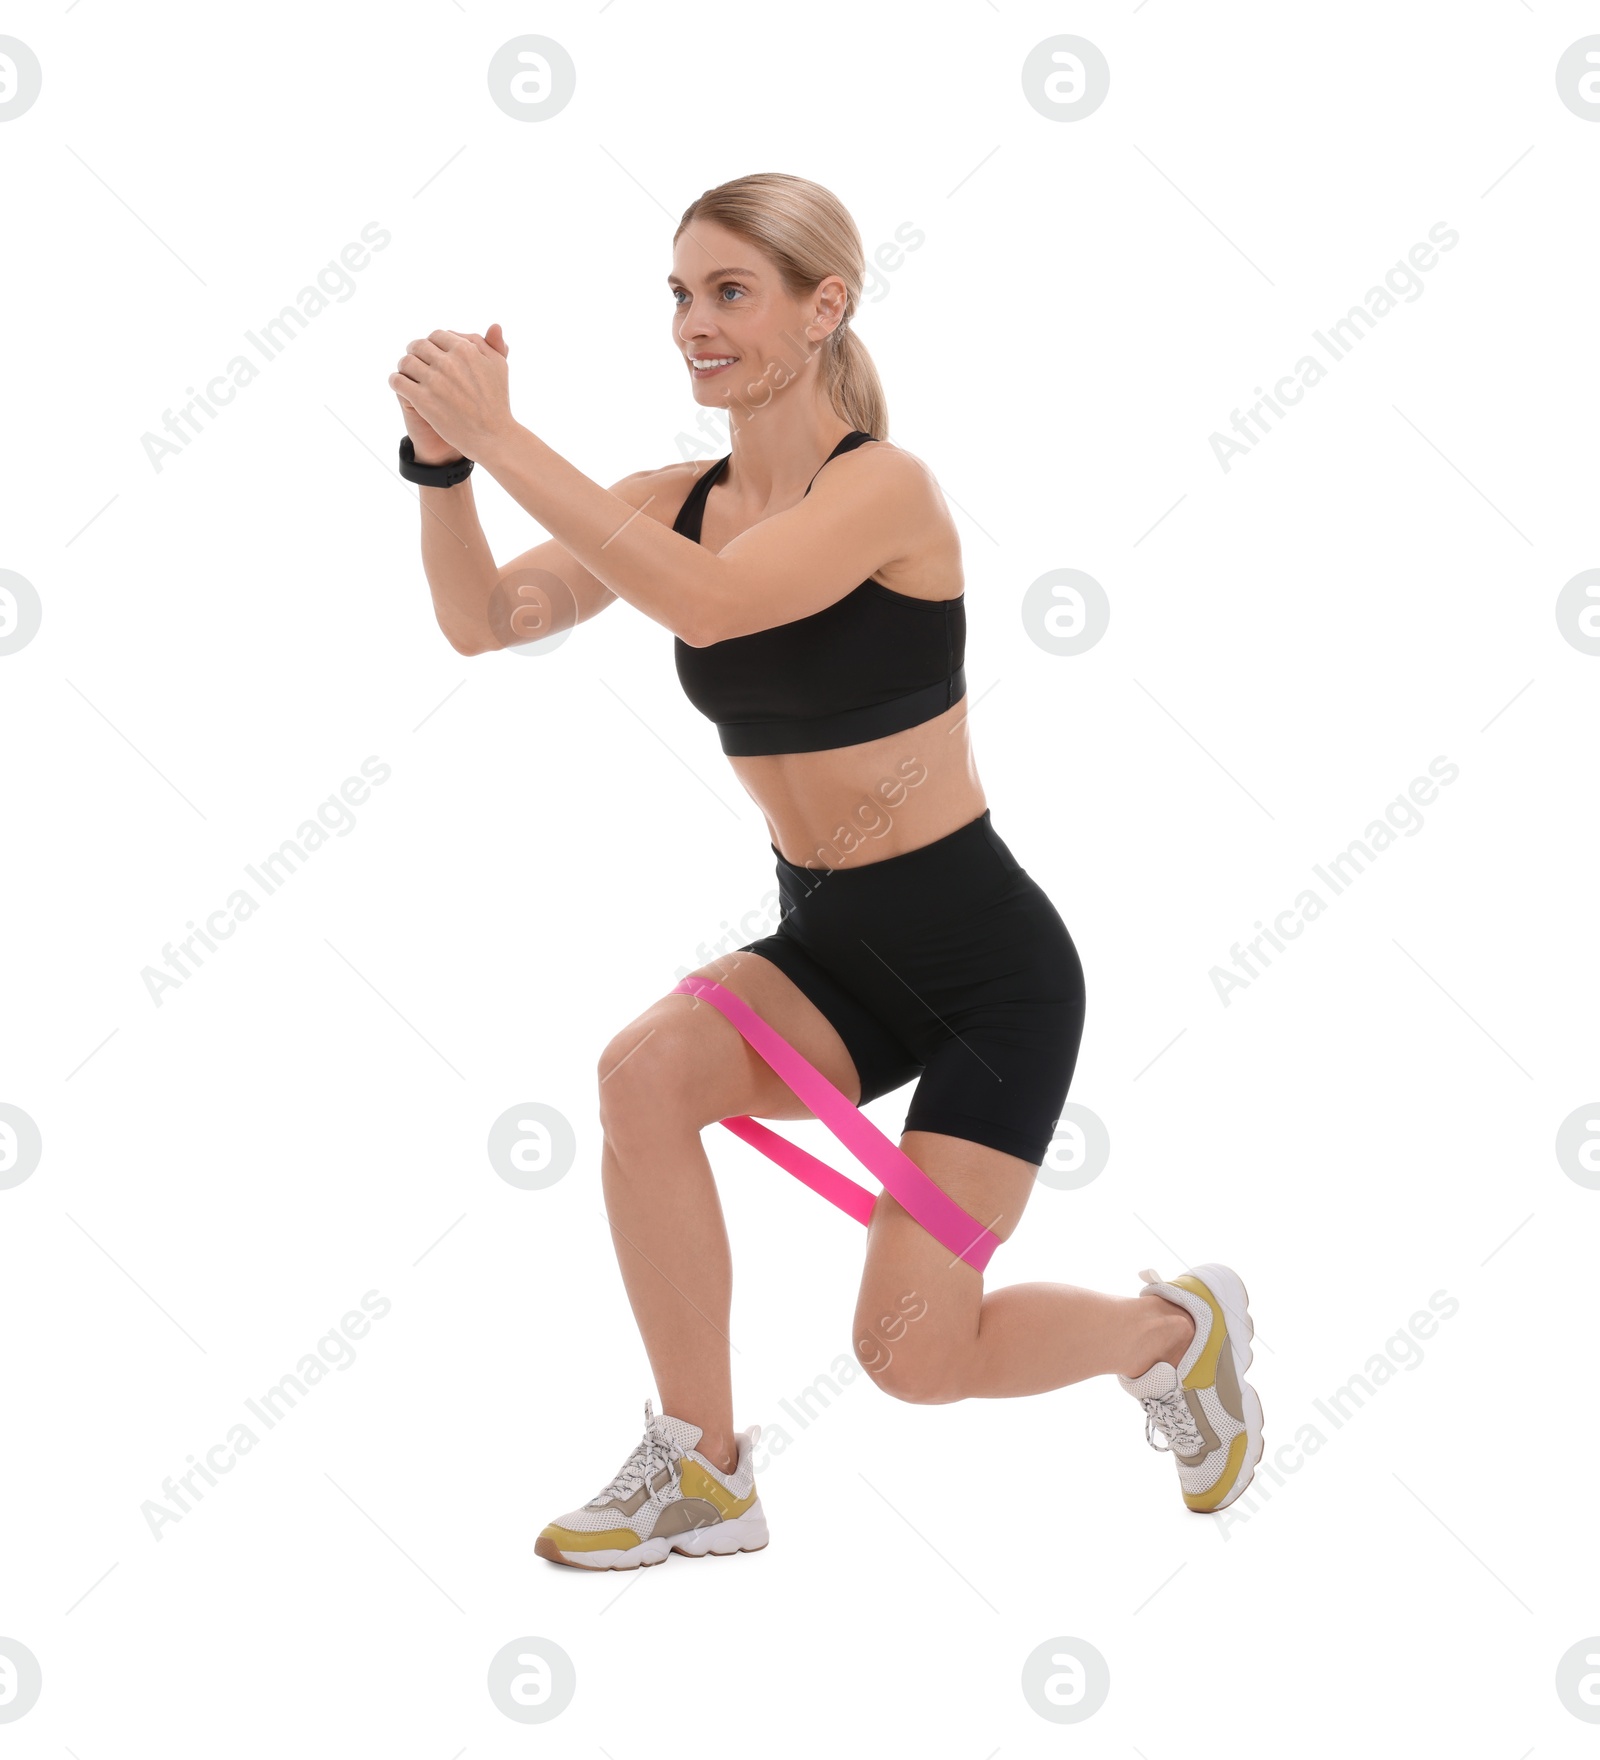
(426, 445)
(454, 393)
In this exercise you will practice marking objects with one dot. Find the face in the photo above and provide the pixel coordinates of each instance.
(732, 312)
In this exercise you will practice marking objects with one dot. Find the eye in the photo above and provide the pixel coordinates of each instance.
(726, 287)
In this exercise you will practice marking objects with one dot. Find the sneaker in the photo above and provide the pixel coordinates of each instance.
(1204, 1407)
(664, 1498)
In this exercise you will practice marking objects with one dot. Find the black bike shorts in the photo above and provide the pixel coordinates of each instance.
(947, 963)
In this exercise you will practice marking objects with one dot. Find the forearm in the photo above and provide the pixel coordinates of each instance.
(679, 585)
(459, 565)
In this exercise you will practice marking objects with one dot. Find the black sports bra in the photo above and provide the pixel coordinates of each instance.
(872, 663)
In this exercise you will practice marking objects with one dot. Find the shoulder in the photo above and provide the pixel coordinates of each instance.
(891, 495)
(660, 492)
(894, 490)
(879, 469)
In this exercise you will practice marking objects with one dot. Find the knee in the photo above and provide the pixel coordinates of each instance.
(905, 1371)
(644, 1074)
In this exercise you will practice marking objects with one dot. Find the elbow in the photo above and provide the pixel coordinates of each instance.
(710, 609)
(465, 645)
(706, 631)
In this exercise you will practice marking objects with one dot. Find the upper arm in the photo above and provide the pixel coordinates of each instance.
(854, 524)
(546, 589)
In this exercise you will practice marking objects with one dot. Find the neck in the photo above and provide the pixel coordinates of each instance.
(773, 461)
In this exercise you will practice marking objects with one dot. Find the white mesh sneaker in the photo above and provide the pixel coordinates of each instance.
(665, 1498)
(1204, 1407)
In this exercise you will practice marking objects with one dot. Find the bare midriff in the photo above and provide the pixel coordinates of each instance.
(863, 803)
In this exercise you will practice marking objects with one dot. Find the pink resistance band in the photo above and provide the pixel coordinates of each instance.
(943, 1218)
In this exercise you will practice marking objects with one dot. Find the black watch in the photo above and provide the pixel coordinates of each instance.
(432, 476)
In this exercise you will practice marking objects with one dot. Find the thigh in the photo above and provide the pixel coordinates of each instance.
(882, 1060)
(692, 1055)
(979, 1125)
(1009, 1006)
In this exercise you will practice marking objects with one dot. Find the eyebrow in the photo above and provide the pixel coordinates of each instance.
(714, 275)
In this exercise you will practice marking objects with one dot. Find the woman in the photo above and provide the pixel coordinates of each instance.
(823, 633)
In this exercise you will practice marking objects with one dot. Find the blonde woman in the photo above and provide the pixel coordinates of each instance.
(813, 582)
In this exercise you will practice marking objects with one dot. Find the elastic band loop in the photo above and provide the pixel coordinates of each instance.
(905, 1182)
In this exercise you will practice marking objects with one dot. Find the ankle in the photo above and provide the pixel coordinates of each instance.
(1166, 1333)
(1183, 1330)
(722, 1454)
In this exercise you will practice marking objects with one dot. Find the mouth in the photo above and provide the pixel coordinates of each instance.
(707, 366)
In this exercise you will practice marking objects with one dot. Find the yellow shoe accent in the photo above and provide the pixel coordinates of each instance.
(1206, 1501)
(1203, 1371)
(697, 1482)
(572, 1540)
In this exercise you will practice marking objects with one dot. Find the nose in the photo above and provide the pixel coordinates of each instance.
(694, 325)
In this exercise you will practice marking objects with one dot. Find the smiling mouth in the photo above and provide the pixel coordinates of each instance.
(710, 364)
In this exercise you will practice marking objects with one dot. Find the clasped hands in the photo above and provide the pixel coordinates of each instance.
(459, 383)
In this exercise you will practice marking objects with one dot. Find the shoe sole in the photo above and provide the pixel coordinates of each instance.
(1228, 1287)
(746, 1533)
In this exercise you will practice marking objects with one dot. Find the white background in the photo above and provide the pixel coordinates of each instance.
(1292, 641)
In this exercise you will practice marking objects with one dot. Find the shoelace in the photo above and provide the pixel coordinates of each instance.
(1169, 1413)
(654, 1451)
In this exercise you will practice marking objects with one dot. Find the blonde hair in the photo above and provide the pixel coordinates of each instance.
(807, 233)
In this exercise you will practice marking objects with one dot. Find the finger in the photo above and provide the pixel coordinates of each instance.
(426, 349)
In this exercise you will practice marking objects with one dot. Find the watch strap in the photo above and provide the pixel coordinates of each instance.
(432, 476)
